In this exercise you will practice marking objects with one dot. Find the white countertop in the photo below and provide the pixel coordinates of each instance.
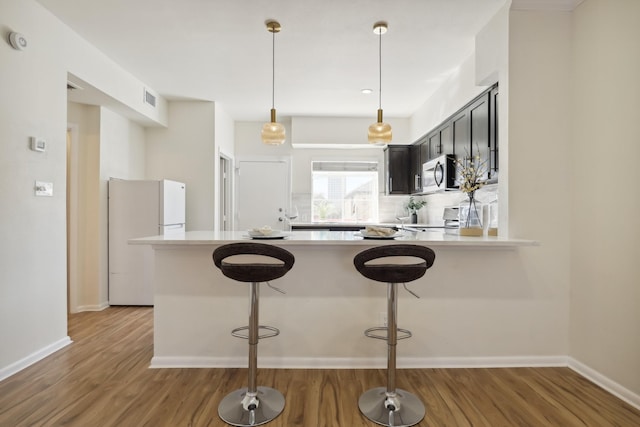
(322, 237)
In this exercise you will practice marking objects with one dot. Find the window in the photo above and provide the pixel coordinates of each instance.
(344, 191)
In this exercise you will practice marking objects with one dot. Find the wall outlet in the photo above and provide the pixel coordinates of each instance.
(382, 318)
(43, 188)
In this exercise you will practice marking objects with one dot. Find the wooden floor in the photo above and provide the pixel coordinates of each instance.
(102, 379)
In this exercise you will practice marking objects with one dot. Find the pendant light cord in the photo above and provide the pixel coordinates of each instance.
(380, 70)
(273, 69)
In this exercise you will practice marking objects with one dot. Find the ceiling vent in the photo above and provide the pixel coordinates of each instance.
(149, 98)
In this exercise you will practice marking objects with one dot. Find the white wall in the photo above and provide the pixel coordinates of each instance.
(33, 273)
(453, 94)
(32, 295)
(605, 282)
(185, 152)
(125, 144)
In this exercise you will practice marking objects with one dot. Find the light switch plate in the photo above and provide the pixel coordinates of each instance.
(38, 144)
(44, 188)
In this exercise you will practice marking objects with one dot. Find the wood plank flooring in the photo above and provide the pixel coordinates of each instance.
(102, 379)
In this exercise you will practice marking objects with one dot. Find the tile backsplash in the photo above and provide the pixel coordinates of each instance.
(389, 206)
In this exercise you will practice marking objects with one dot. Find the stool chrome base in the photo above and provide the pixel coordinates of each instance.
(231, 409)
(408, 409)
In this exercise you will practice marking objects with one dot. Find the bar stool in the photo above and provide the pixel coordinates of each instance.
(391, 406)
(252, 405)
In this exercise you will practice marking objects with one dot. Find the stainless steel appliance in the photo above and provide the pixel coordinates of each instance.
(439, 174)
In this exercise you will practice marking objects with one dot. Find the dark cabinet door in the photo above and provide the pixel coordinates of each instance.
(415, 177)
(478, 113)
(446, 139)
(434, 145)
(460, 133)
(397, 168)
(424, 150)
(492, 164)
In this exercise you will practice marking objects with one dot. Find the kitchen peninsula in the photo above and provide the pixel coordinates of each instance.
(328, 304)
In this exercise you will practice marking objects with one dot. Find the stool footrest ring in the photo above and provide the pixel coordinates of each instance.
(371, 333)
(274, 332)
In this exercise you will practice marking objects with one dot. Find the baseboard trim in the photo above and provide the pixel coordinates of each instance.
(33, 358)
(98, 307)
(359, 363)
(611, 386)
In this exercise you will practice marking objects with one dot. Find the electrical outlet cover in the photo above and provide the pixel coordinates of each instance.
(44, 188)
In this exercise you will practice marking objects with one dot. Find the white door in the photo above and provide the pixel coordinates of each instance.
(263, 193)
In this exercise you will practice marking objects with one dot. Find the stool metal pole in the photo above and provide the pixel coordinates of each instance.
(253, 405)
(250, 401)
(390, 406)
(392, 336)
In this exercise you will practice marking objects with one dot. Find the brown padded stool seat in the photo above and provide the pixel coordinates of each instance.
(394, 273)
(253, 272)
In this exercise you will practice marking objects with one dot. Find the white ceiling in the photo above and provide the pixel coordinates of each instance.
(220, 50)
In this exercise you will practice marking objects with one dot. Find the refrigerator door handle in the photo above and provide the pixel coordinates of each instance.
(171, 228)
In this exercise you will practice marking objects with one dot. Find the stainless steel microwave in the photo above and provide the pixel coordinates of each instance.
(439, 174)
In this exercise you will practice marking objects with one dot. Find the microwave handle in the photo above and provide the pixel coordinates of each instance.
(439, 168)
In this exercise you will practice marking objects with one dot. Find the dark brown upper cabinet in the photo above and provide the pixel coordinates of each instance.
(470, 131)
(397, 167)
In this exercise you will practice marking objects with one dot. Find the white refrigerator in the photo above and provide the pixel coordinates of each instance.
(139, 209)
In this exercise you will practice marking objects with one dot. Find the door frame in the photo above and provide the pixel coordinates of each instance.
(72, 217)
(225, 198)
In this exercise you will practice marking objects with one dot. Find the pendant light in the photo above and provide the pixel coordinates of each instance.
(380, 132)
(273, 133)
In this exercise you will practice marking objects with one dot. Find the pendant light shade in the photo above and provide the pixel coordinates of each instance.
(273, 133)
(380, 132)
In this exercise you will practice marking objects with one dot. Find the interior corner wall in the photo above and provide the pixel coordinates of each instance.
(185, 152)
(605, 283)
